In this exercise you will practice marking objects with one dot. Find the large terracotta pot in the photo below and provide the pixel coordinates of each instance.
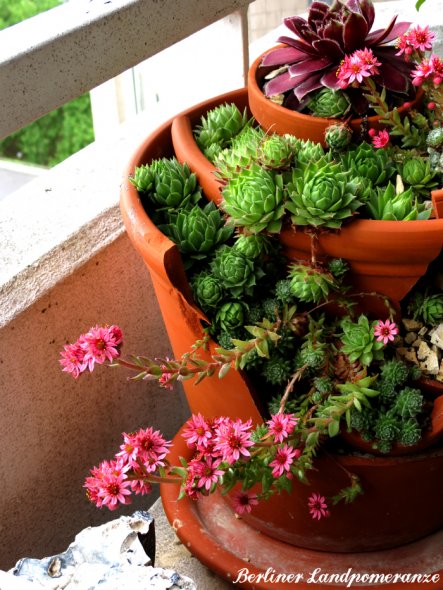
(402, 495)
(386, 257)
(281, 120)
(182, 318)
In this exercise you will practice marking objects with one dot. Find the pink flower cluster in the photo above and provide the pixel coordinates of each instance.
(96, 346)
(429, 70)
(141, 454)
(224, 441)
(416, 39)
(357, 66)
(379, 138)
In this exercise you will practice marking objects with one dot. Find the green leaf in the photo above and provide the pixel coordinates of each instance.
(224, 370)
(333, 428)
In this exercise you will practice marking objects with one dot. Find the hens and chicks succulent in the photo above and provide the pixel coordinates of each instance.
(240, 278)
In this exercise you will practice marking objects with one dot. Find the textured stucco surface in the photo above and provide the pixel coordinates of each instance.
(53, 428)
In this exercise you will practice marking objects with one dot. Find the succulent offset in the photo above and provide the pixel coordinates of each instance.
(197, 231)
(220, 126)
(322, 195)
(254, 199)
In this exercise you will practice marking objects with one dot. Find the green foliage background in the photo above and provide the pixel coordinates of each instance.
(58, 134)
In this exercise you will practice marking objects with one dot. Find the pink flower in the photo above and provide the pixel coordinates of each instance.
(140, 487)
(361, 64)
(385, 331)
(317, 506)
(151, 445)
(281, 426)
(420, 38)
(108, 485)
(423, 71)
(233, 439)
(197, 432)
(72, 360)
(99, 345)
(208, 473)
(283, 460)
(244, 501)
(404, 45)
(380, 139)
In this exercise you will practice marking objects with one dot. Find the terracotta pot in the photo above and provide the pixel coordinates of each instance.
(429, 438)
(394, 488)
(386, 257)
(281, 120)
(182, 318)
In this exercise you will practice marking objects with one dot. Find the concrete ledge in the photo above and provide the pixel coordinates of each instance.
(62, 53)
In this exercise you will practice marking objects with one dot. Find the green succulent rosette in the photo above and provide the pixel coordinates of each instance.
(230, 316)
(338, 136)
(220, 125)
(241, 153)
(329, 104)
(207, 290)
(427, 308)
(234, 270)
(253, 245)
(167, 184)
(417, 173)
(275, 153)
(310, 285)
(386, 204)
(254, 200)
(308, 151)
(370, 163)
(359, 342)
(434, 138)
(198, 231)
(322, 195)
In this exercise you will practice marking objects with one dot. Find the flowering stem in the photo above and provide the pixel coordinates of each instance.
(290, 386)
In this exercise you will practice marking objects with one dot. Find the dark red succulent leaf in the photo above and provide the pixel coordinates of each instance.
(309, 85)
(392, 31)
(330, 80)
(358, 101)
(392, 79)
(309, 65)
(388, 55)
(317, 13)
(330, 48)
(365, 8)
(354, 32)
(301, 45)
(284, 82)
(280, 84)
(334, 30)
(283, 55)
(300, 27)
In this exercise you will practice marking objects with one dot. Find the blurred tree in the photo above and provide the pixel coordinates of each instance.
(62, 132)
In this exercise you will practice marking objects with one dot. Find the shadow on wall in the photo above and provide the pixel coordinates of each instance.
(53, 428)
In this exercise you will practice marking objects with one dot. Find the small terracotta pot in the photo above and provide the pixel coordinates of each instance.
(277, 119)
(429, 438)
(387, 257)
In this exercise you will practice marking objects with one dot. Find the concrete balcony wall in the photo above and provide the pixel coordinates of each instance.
(54, 428)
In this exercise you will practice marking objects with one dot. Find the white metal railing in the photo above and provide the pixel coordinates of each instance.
(60, 54)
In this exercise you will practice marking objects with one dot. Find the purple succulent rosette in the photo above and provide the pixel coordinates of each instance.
(324, 39)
